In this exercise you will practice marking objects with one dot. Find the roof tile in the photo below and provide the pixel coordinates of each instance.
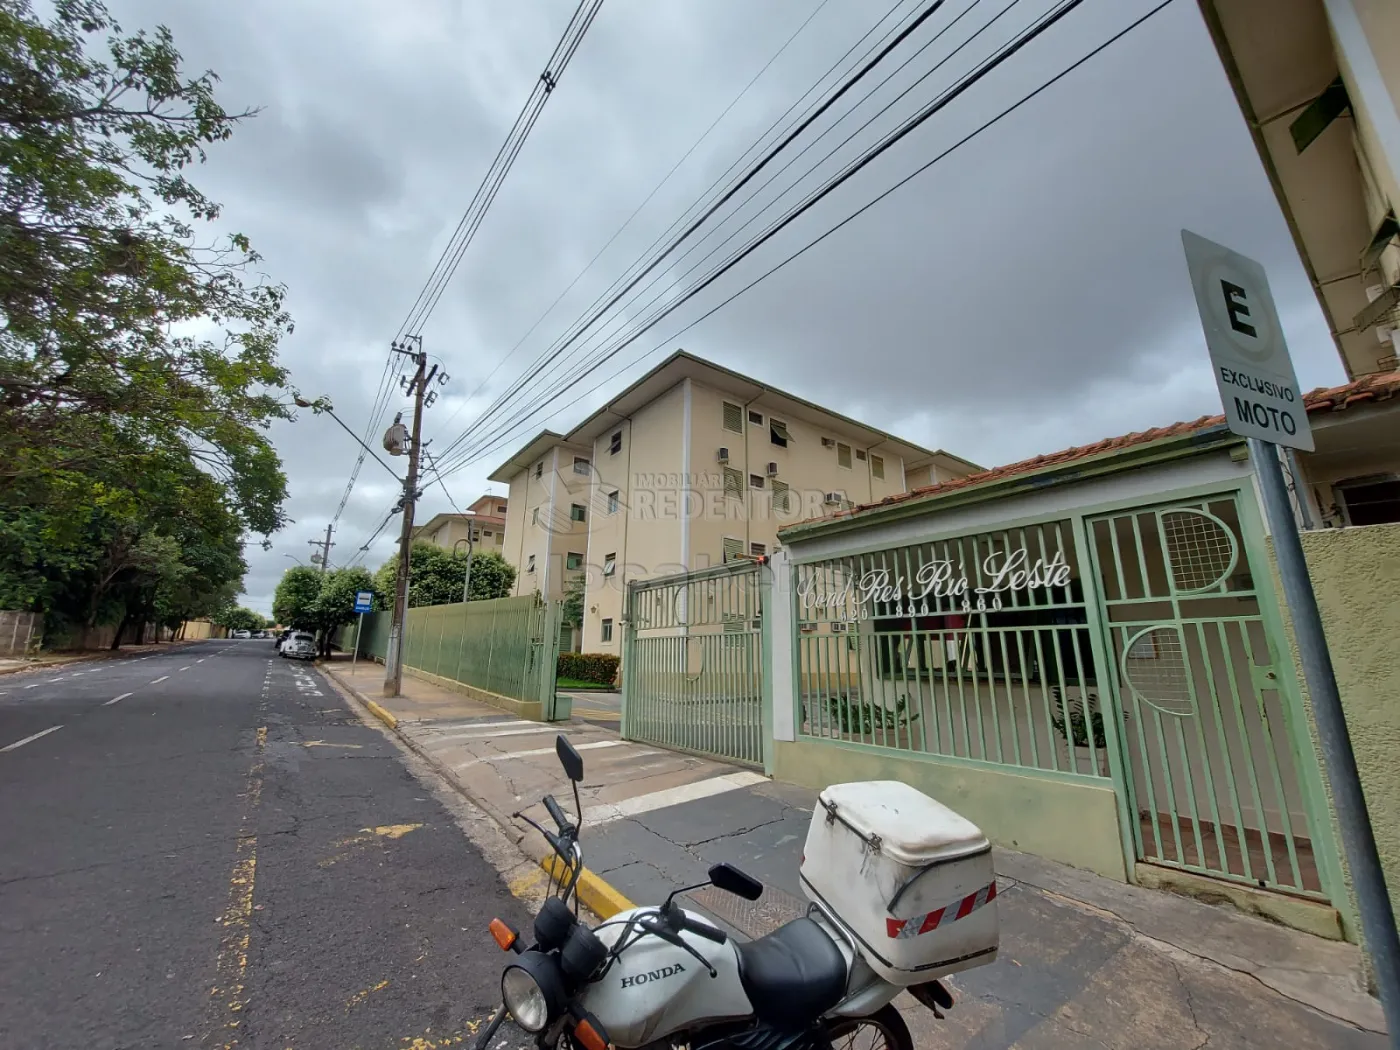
(1379, 387)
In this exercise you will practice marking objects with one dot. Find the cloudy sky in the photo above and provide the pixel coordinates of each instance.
(1024, 294)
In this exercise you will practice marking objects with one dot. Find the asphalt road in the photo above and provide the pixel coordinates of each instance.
(205, 848)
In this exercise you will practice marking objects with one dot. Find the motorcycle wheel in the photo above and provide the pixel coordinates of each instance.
(890, 1031)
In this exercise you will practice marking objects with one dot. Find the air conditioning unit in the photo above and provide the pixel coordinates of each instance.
(837, 626)
(723, 455)
(772, 470)
(828, 442)
(833, 499)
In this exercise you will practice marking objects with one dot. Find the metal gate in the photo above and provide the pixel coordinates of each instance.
(692, 671)
(1208, 734)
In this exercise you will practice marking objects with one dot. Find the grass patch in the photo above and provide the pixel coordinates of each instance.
(578, 685)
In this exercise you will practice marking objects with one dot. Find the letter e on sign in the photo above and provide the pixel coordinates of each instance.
(1253, 370)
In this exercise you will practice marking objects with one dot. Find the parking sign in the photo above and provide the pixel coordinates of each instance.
(364, 600)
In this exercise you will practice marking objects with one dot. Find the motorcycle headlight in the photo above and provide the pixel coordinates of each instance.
(533, 991)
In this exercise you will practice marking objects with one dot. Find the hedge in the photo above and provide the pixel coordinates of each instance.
(600, 668)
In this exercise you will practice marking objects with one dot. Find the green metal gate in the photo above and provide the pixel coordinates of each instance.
(1208, 734)
(692, 666)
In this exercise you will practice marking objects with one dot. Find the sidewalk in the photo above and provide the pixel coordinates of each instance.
(1085, 961)
(12, 665)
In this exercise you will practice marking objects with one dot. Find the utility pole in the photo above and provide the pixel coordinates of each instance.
(418, 386)
(325, 547)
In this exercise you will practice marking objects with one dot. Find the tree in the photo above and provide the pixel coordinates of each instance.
(100, 290)
(573, 601)
(335, 604)
(294, 601)
(240, 619)
(436, 576)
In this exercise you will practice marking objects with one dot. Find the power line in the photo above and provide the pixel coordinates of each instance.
(629, 281)
(602, 334)
(631, 218)
(504, 437)
(500, 166)
(363, 549)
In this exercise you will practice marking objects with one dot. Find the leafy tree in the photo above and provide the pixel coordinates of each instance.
(436, 576)
(335, 605)
(240, 619)
(104, 279)
(573, 601)
(294, 601)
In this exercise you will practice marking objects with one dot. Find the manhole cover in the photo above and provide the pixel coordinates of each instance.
(753, 919)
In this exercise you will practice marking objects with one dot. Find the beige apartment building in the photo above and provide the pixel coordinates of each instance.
(486, 518)
(693, 465)
(1318, 82)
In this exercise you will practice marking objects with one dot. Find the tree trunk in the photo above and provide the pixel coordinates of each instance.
(121, 630)
(140, 630)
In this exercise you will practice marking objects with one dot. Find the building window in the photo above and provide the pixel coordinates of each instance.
(539, 469)
(860, 454)
(573, 560)
(843, 455)
(615, 445)
(778, 433)
(609, 564)
(877, 467)
(612, 502)
(733, 548)
(581, 466)
(756, 418)
(535, 516)
(576, 512)
(1369, 501)
(757, 550)
(607, 628)
(530, 565)
(733, 482)
(733, 418)
(780, 495)
(755, 481)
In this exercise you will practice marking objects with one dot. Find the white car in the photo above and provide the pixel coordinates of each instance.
(300, 645)
(242, 634)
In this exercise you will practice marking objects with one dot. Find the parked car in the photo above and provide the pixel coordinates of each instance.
(242, 634)
(299, 646)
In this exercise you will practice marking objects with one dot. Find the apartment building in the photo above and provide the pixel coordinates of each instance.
(547, 521)
(1318, 83)
(693, 465)
(486, 518)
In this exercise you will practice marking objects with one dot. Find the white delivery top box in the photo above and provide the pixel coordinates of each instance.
(913, 829)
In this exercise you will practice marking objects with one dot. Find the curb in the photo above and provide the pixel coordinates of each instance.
(595, 893)
(381, 714)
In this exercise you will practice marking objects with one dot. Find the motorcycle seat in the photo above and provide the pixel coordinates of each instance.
(793, 975)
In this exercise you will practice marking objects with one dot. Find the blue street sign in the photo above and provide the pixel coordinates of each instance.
(363, 601)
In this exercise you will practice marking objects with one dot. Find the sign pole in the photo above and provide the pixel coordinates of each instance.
(1264, 404)
(359, 623)
(1353, 817)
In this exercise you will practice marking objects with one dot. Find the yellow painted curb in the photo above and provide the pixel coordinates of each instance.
(381, 714)
(599, 714)
(595, 894)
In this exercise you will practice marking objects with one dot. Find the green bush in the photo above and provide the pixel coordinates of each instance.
(600, 668)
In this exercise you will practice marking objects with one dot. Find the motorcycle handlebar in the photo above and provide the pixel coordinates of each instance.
(700, 929)
(555, 812)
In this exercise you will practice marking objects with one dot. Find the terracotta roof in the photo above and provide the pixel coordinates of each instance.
(1377, 387)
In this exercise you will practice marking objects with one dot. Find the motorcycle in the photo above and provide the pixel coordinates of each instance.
(659, 977)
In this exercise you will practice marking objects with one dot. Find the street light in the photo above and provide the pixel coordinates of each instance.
(467, 579)
(295, 559)
(301, 402)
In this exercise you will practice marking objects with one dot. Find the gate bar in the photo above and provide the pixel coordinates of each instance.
(1353, 818)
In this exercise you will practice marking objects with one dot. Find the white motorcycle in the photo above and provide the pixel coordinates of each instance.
(901, 893)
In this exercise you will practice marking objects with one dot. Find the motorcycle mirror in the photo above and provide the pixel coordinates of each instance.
(732, 880)
(570, 759)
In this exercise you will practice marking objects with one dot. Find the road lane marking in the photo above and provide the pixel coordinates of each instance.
(185, 668)
(36, 685)
(114, 699)
(30, 739)
(201, 659)
(606, 812)
(160, 679)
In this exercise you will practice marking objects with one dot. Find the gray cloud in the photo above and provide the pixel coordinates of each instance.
(1024, 295)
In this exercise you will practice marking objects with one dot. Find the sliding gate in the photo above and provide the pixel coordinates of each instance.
(692, 671)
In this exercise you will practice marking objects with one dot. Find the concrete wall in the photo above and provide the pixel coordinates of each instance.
(1071, 821)
(1354, 574)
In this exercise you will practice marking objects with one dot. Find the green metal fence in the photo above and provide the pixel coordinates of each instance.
(692, 668)
(507, 646)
